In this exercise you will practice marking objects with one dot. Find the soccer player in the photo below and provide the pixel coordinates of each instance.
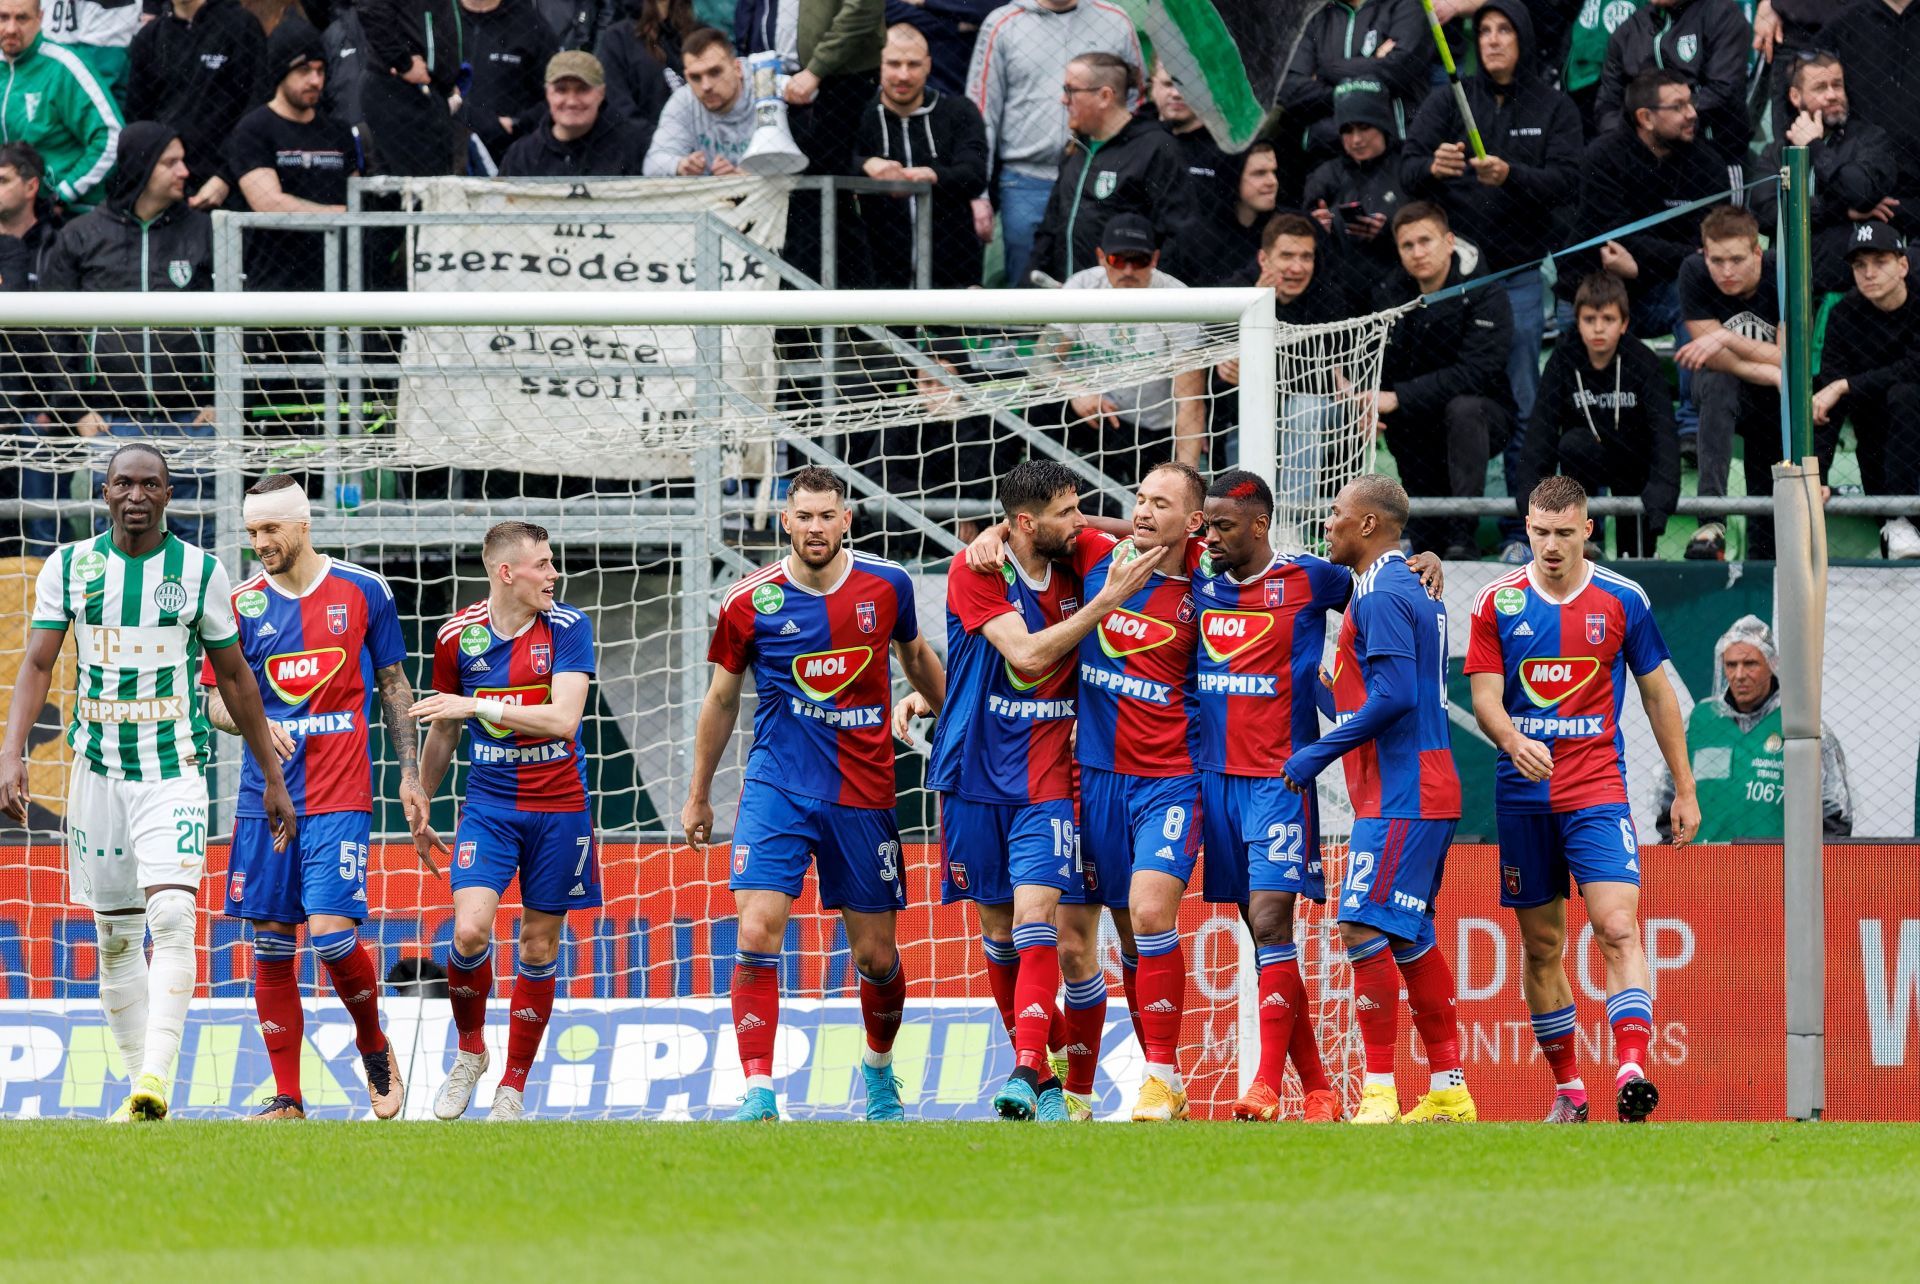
(1389, 692)
(1551, 646)
(514, 671)
(320, 636)
(814, 627)
(143, 605)
(1002, 765)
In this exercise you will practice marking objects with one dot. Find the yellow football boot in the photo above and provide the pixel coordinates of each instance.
(1158, 1102)
(1379, 1104)
(1444, 1106)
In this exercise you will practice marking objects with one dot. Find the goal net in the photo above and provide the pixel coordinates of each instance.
(650, 434)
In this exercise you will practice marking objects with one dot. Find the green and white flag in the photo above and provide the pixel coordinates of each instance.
(1228, 56)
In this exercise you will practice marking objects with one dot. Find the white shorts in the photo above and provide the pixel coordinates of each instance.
(124, 836)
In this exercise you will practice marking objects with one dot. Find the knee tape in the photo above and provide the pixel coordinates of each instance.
(170, 917)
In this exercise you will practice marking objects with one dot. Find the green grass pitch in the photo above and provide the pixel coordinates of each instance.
(918, 1203)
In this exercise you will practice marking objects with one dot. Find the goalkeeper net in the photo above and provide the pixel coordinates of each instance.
(650, 434)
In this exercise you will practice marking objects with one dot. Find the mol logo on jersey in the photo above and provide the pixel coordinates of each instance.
(1125, 633)
(295, 676)
(1551, 679)
(1226, 634)
(825, 674)
(509, 695)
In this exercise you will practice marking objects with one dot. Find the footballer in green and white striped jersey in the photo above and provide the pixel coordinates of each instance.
(140, 624)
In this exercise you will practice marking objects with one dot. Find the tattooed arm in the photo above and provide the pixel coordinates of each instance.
(396, 697)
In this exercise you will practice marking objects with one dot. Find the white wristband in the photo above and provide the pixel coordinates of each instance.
(488, 710)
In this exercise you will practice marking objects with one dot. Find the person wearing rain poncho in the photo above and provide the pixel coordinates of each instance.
(1739, 764)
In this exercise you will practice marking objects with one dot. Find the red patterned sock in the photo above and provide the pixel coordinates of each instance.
(756, 1010)
(883, 1004)
(1430, 994)
(1130, 986)
(469, 986)
(1003, 975)
(1376, 1006)
(1281, 997)
(358, 987)
(276, 997)
(531, 1008)
(1086, 1021)
(1304, 1049)
(1163, 993)
(1034, 994)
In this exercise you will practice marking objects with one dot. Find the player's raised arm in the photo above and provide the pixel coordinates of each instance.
(1670, 733)
(1392, 681)
(719, 711)
(30, 689)
(241, 695)
(1039, 652)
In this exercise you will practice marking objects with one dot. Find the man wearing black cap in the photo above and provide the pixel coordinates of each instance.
(289, 157)
(1870, 375)
(1124, 431)
(1355, 195)
(579, 139)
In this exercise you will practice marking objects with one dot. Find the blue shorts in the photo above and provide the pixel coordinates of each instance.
(1538, 852)
(326, 873)
(1134, 822)
(1393, 875)
(1259, 836)
(988, 849)
(551, 851)
(777, 835)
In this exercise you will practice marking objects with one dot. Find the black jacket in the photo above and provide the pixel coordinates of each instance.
(31, 382)
(507, 48)
(1375, 187)
(1872, 350)
(1140, 170)
(1530, 125)
(200, 78)
(577, 24)
(1628, 405)
(1880, 51)
(611, 149)
(397, 31)
(637, 85)
(1854, 167)
(1457, 348)
(346, 44)
(1621, 180)
(141, 373)
(1338, 44)
(1707, 41)
(947, 136)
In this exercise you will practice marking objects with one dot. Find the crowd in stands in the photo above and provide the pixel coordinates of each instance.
(1052, 154)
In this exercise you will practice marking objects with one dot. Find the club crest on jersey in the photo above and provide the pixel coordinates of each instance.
(252, 604)
(170, 596)
(867, 617)
(1510, 875)
(464, 858)
(1068, 605)
(1185, 613)
(1596, 629)
(541, 653)
(1687, 48)
(296, 675)
(740, 858)
(1551, 679)
(823, 675)
(957, 874)
(509, 695)
(337, 619)
(1275, 591)
(1226, 634)
(1125, 633)
(237, 885)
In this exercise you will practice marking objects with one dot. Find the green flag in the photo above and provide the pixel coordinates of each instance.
(1228, 56)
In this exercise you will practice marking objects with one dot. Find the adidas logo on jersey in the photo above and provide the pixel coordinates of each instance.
(1165, 853)
(578, 889)
(748, 1022)
(1352, 902)
(1275, 1001)
(1160, 1005)
(1033, 1010)
(360, 895)
(267, 630)
(480, 666)
(1524, 631)
(528, 1013)
(790, 627)
(1633, 865)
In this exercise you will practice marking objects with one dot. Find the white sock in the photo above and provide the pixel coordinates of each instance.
(1573, 1085)
(1379, 1081)
(1440, 1080)
(1170, 1074)
(878, 1060)
(1629, 1070)
(759, 1081)
(170, 977)
(123, 983)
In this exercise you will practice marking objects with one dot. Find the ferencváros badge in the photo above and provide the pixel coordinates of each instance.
(1509, 601)
(474, 639)
(170, 596)
(768, 598)
(252, 604)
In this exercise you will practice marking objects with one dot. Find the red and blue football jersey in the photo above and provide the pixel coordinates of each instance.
(1136, 667)
(1565, 665)
(314, 657)
(1407, 772)
(506, 769)
(820, 675)
(1259, 661)
(1004, 736)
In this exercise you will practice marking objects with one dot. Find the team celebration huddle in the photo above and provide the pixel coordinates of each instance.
(1123, 706)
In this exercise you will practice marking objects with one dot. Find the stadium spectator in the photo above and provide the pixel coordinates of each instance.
(707, 122)
(1604, 417)
(577, 24)
(1119, 164)
(1585, 50)
(98, 32)
(1878, 41)
(346, 45)
(1222, 247)
(1730, 301)
(579, 138)
(1506, 204)
(1019, 61)
(507, 44)
(1784, 32)
(290, 157)
(642, 59)
(26, 213)
(1207, 165)
(1632, 173)
(144, 238)
(1737, 745)
(1854, 168)
(951, 28)
(1443, 404)
(57, 106)
(915, 133)
(1354, 196)
(1385, 41)
(1124, 431)
(407, 89)
(1870, 376)
(198, 67)
(29, 379)
(1707, 42)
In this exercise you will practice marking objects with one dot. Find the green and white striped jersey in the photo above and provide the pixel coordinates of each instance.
(140, 624)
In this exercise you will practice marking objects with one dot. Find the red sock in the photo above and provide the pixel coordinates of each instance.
(276, 997)
(1033, 1001)
(359, 990)
(1430, 994)
(469, 988)
(1376, 1008)
(1162, 985)
(1304, 1050)
(1632, 1024)
(1559, 1046)
(1085, 1026)
(1059, 1033)
(882, 1005)
(530, 1009)
(1130, 986)
(756, 1015)
(1003, 974)
(1283, 999)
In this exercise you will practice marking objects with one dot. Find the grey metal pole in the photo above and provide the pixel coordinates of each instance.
(229, 482)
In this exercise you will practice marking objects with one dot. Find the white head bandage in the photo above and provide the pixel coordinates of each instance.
(288, 504)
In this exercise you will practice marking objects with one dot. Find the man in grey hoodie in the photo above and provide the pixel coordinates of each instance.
(1019, 57)
(707, 122)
